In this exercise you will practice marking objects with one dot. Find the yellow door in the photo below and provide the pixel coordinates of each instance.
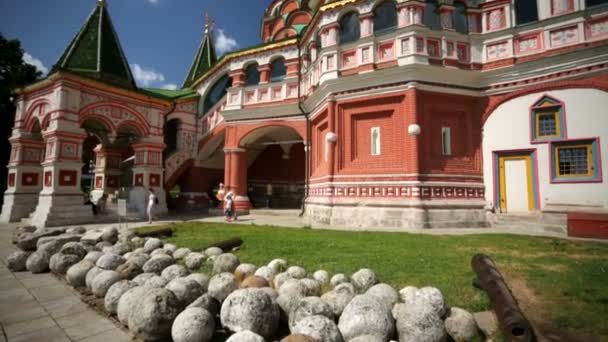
(516, 187)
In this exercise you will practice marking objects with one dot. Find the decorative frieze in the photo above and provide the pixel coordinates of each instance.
(497, 51)
(431, 192)
(564, 36)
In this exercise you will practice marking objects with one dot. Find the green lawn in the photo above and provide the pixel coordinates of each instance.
(564, 283)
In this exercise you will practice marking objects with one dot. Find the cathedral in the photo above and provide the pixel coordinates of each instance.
(361, 113)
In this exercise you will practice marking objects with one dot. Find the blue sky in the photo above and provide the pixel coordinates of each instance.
(159, 37)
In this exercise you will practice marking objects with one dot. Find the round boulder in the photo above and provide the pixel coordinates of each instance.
(158, 263)
(127, 301)
(93, 256)
(299, 338)
(120, 248)
(76, 274)
(226, 262)
(367, 338)
(366, 315)
(363, 279)
(139, 259)
(153, 314)
(245, 336)
(296, 272)
(109, 234)
(194, 261)
(322, 276)
(213, 251)
(50, 247)
(309, 306)
(16, 262)
(221, 285)
(129, 270)
(115, 292)
(156, 282)
(280, 279)
(202, 279)
(110, 261)
(208, 303)
(313, 287)
(170, 248)
(60, 263)
(74, 248)
(152, 244)
(338, 279)
(141, 279)
(461, 325)
(102, 282)
(318, 327)
(38, 262)
(94, 272)
(174, 271)
(193, 325)
(278, 265)
(181, 253)
(137, 242)
(385, 293)
(185, 290)
(254, 282)
(250, 309)
(418, 321)
(266, 273)
(243, 271)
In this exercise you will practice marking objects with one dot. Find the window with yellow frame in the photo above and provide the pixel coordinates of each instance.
(575, 161)
(547, 120)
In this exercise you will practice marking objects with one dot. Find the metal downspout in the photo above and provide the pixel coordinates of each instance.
(308, 129)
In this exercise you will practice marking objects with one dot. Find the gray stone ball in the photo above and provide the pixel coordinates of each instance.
(313, 287)
(60, 263)
(243, 271)
(74, 248)
(129, 270)
(139, 259)
(38, 262)
(296, 272)
(460, 325)
(159, 251)
(280, 279)
(318, 327)
(322, 276)
(152, 316)
(221, 285)
(158, 263)
(152, 244)
(102, 282)
(109, 234)
(185, 290)
(127, 301)
(120, 248)
(266, 273)
(338, 279)
(278, 265)
(226, 262)
(194, 261)
(76, 274)
(202, 279)
(115, 292)
(16, 262)
(366, 315)
(385, 293)
(93, 256)
(141, 279)
(245, 336)
(208, 303)
(213, 251)
(181, 253)
(110, 261)
(170, 248)
(309, 306)
(250, 309)
(93, 272)
(363, 279)
(156, 282)
(193, 325)
(50, 247)
(174, 271)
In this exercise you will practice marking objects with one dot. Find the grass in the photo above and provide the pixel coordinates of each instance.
(560, 282)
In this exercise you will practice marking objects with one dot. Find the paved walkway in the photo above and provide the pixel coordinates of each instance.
(42, 308)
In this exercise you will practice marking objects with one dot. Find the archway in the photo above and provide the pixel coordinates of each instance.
(275, 167)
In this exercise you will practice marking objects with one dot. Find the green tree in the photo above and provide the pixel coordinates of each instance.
(14, 73)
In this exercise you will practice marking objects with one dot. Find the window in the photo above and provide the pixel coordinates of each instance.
(547, 120)
(596, 2)
(217, 92)
(574, 161)
(375, 141)
(446, 141)
(252, 74)
(385, 17)
(350, 28)
(526, 11)
(460, 18)
(277, 70)
(431, 16)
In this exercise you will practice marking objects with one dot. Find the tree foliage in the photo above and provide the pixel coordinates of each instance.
(14, 73)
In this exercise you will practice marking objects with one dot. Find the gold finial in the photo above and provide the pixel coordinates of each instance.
(208, 23)
(101, 3)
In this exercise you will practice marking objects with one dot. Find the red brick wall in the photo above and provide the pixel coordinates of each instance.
(269, 165)
(319, 128)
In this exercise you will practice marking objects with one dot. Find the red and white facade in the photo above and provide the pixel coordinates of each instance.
(417, 126)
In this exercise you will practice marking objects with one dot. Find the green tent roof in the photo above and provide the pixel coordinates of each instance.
(96, 52)
(204, 59)
(169, 94)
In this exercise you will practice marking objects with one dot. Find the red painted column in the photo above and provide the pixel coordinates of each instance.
(238, 77)
(413, 141)
(331, 125)
(264, 73)
(238, 178)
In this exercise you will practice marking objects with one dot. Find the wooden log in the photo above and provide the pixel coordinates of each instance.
(161, 232)
(227, 245)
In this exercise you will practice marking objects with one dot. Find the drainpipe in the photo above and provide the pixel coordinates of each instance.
(308, 129)
(171, 110)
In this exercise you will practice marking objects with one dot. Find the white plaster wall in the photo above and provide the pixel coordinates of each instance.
(508, 128)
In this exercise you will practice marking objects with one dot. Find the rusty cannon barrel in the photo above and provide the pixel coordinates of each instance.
(513, 323)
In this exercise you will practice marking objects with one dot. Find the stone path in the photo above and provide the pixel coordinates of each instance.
(40, 307)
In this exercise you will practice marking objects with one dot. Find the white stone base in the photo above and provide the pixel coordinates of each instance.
(380, 214)
(18, 206)
(61, 210)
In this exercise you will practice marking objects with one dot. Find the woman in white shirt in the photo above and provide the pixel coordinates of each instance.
(151, 203)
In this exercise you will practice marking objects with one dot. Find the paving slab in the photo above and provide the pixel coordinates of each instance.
(84, 324)
(52, 292)
(53, 334)
(65, 306)
(114, 335)
(27, 311)
(15, 329)
(32, 281)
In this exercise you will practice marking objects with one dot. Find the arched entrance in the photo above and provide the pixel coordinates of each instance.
(275, 167)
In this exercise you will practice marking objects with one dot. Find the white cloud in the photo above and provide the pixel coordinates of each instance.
(223, 43)
(153, 2)
(170, 86)
(146, 77)
(29, 59)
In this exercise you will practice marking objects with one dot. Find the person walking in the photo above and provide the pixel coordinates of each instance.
(152, 201)
(229, 206)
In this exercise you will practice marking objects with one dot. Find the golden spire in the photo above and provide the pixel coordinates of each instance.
(209, 23)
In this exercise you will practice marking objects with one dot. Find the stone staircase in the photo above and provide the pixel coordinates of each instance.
(542, 223)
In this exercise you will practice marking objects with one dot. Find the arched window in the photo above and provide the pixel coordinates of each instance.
(217, 92)
(526, 11)
(460, 18)
(252, 75)
(431, 16)
(278, 70)
(350, 28)
(385, 17)
(171, 128)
